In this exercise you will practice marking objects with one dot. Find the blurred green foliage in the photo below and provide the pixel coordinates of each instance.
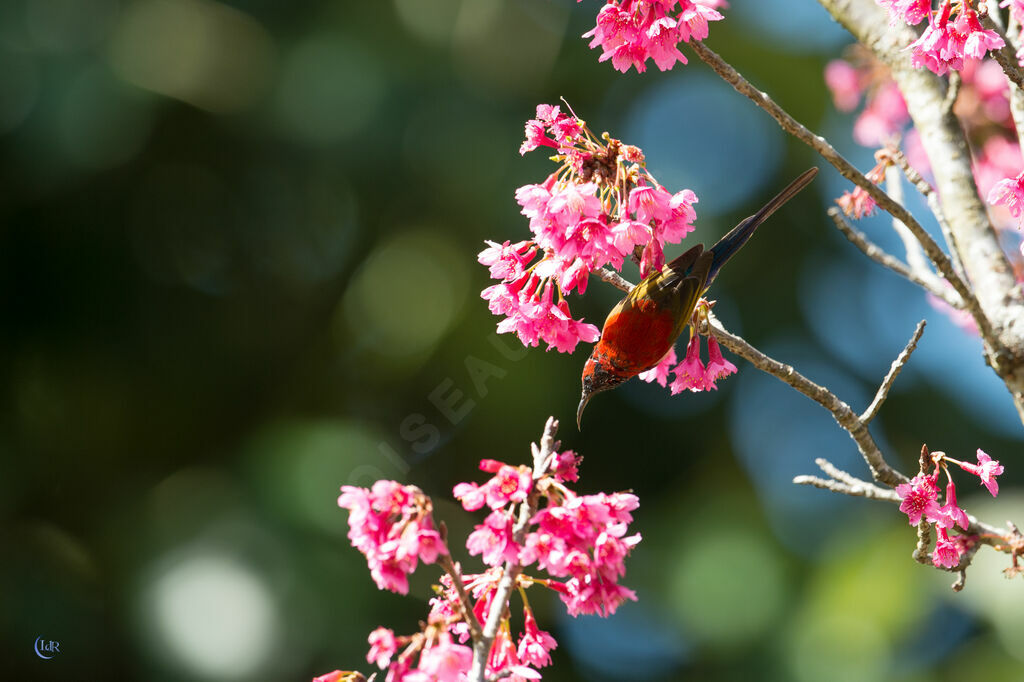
(237, 245)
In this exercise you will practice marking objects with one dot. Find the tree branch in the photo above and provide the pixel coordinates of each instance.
(885, 259)
(847, 418)
(890, 378)
(999, 311)
(482, 646)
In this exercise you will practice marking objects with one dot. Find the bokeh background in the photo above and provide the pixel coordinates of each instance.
(237, 258)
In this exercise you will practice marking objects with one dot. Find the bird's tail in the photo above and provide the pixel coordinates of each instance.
(738, 236)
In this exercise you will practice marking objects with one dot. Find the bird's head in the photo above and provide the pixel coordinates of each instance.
(597, 377)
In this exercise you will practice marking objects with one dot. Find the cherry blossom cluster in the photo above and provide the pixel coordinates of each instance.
(629, 32)
(581, 538)
(920, 502)
(947, 40)
(692, 374)
(391, 524)
(600, 207)
(576, 543)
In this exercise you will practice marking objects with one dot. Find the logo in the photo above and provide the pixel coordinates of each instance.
(46, 649)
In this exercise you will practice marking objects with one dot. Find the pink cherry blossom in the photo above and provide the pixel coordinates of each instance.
(884, 117)
(534, 644)
(941, 46)
(908, 11)
(987, 469)
(690, 373)
(717, 366)
(844, 82)
(1016, 9)
(565, 467)
(857, 203)
(947, 550)
(493, 540)
(507, 261)
(445, 661)
(978, 40)
(383, 646)
(333, 676)
(951, 513)
(661, 371)
(510, 484)
(1009, 192)
(920, 499)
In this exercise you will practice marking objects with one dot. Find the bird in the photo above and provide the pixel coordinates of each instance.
(642, 327)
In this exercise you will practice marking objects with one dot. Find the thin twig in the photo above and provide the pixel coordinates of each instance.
(445, 560)
(911, 246)
(935, 253)
(885, 259)
(894, 370)
(847, 418)
(868, 490)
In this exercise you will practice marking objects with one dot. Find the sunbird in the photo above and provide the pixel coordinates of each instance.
(644, 325)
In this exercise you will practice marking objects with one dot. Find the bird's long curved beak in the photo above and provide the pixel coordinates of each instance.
(579, 411)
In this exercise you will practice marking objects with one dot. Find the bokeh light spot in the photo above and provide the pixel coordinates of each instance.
(101, 123)
(201, 52)
(432, 22)
(719, 146)
(406, 295)
(330, 88)
(298, 468)
(714, 590)
(212, 615)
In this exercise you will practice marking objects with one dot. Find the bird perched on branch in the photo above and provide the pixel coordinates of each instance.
(644, 325)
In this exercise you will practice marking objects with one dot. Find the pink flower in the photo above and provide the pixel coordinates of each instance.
(909, 11)
(584, 539)
(1010, 193)
(920, 498)
(391, 525)
(978, 40)
(884, 116)
(334, 676)
(493, 540)
(952, 513)
(535, 643)
(947, 551)
(660, 371)
(1016, 9)
(562, 128)
(843, 82)
(987, 469)
(941, 47)
(446, 661)
(510, 484)
(690, 372)
(630, 32)
(471, 495)
(857, 203)
(566, 466)
(383, 646)
(507, 261)
(717, 366)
